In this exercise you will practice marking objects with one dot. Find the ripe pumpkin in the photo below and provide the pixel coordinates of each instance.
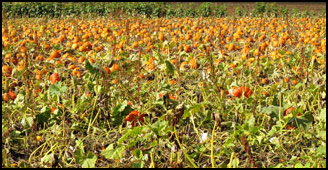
(115, 67)
(238, 91)
(54, 78)
(54, 54)
(265, 93)
(141, 76)
(286, 79)
(81, 59)
(193, 63)
(264, 81)
(107, 70)
(231, 47)
(187, 48)
(134, 116)
(171, 82)
(5, 97)
(115, 81)
(289, 110)
(7, 70)
(38, 76)
(135, 45)
(38, 138)
(53, 109)
(161, 36)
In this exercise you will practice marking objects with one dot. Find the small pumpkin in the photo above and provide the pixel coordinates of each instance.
(133, 117)
(238, 91)
(54, 78)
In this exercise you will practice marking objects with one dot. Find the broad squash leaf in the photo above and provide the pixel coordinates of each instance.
(120, 111)
(273, 110)
(44, 115)
(111, 153)
(169, 67)
(58, 89)
(92, 69)
(89, 161)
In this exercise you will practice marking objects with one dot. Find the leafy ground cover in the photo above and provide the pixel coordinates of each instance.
(178, 92)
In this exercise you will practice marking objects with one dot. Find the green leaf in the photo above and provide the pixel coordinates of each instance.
(44, 115)
(298, 165)
(130, 134)
(275, 101)
(120, 111)
(322, 115)
(47, 158)
(138, 164)
(58, 89)
(280, 165)
(138, 154)
(79, 156)
(251, 121)
(303, 121)
(193, 109)
(79, 144)
(307, 165)
(159, 127)
(272, 131)
(92, 69)
(89, 161)
(19, 99)
(321, 150)
(298, 85)
(282, 52)
(169, 67)
(111, 153)
(27, 122)
(322, 134)
(273, 110)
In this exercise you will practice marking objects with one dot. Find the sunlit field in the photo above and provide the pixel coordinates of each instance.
(141, 91)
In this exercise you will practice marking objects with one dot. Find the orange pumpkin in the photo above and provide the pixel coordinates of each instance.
(161, 36)
(187, 48)
(238, 91)
(115, 67)
(54, 54)
(134, 116)
(54, 78)
(289, 110)
(5, 97)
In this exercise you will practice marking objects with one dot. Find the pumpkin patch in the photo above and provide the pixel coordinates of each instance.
(148, 84)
